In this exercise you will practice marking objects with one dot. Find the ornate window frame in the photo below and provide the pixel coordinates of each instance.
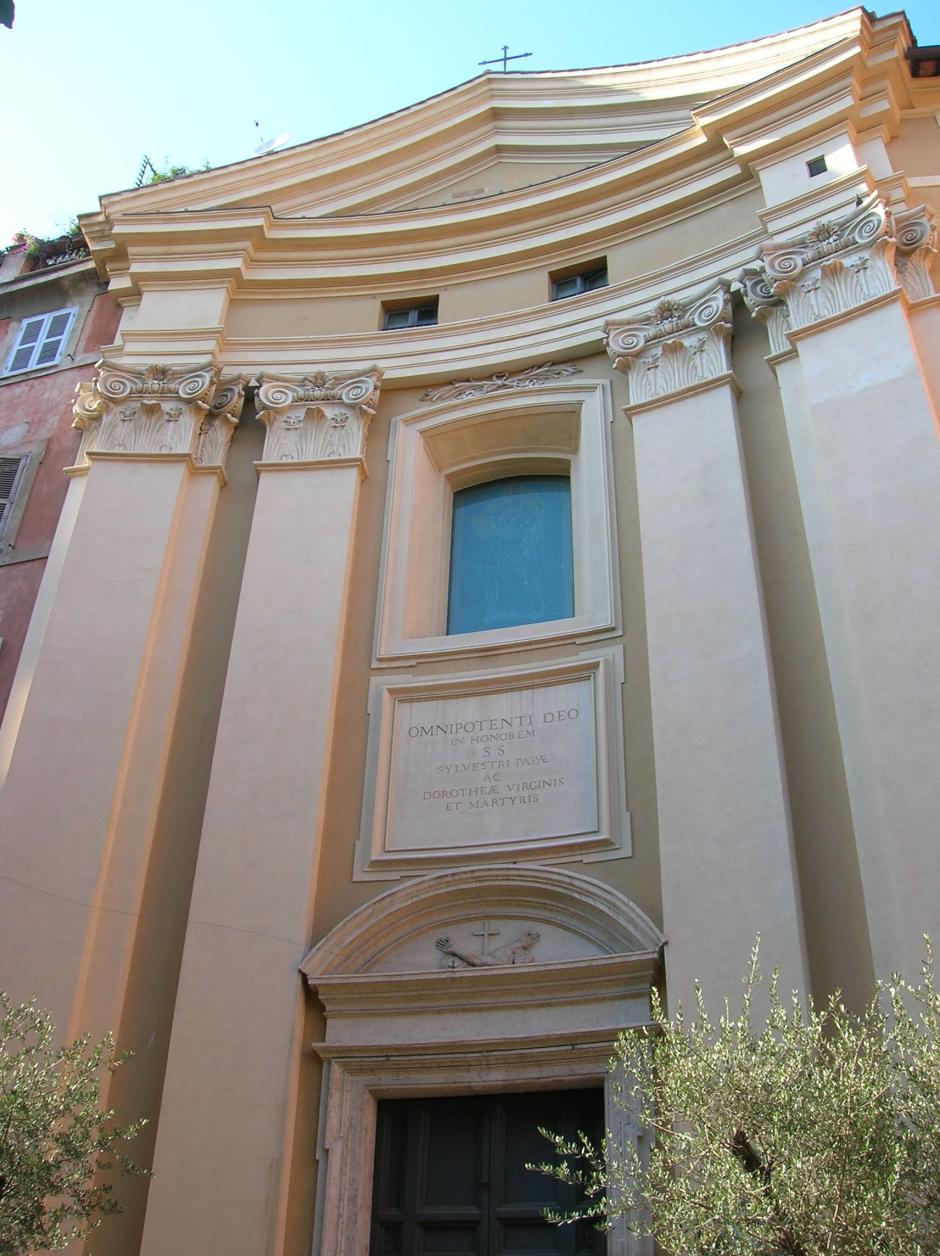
(555, 428)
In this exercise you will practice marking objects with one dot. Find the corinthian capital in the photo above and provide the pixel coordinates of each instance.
(844, 262)
(317, 418)
(157, 410)
(677, 345)
(840, 263)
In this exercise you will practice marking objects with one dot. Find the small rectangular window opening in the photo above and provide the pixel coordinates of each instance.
(816, 165)
(423, 314)
(571, 283)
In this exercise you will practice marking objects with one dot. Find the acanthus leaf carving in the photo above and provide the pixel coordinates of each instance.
(915, 235)
(531, 377)
(217, 426)
(319, 417)
(150, 411)
(678, 344)
(837, 284)
(847, 237)
(840, 264)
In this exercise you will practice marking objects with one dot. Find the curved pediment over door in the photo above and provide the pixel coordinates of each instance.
(487, 953)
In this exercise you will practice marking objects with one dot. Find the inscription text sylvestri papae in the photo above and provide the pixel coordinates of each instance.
(508, 765)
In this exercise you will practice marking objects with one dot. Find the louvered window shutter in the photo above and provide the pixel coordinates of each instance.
(41, 341)
(10, 469)
(53, 340)
(30, 337)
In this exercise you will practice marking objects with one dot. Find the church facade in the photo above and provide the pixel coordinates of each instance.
(498, 576)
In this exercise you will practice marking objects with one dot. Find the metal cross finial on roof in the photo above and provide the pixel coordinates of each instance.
(506, 57)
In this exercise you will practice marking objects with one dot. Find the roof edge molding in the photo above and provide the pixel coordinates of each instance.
(601, 112)
(346, 212)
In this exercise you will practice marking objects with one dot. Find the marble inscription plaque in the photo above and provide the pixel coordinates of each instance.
(511, 764)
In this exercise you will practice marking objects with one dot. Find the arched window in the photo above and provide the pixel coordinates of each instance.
(510, 554)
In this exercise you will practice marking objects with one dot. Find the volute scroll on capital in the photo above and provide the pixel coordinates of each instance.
(915, 234)
(157, 411)
(840, 264)
(679, 344)
(757, 289)
(317, 418)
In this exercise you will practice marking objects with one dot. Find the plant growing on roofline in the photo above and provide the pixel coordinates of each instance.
(43, 250)
(812, 1132)
(170, 171)
(57, 1146)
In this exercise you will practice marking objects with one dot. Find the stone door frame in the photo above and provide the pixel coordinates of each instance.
(406, 1034)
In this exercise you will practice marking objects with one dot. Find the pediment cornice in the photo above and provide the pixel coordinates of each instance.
(206, 230)
(256, 249)
(494, 103)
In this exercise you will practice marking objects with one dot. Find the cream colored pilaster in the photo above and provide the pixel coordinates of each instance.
(853, 297)
(234, 1064)
(98, 691)
(725, 841)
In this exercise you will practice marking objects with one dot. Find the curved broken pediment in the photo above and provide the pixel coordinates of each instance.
(477, 137)
(485, 919)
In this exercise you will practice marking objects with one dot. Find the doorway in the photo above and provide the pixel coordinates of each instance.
(450, 1175)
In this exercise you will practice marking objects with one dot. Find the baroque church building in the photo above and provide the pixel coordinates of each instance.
(498, 576)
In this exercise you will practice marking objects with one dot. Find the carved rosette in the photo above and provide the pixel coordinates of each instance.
(679, 344)
(153, 411)
(317, 418)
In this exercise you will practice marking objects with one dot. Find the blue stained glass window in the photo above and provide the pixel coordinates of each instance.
(510, 554)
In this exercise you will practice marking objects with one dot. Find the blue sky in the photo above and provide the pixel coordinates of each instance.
(90, 89)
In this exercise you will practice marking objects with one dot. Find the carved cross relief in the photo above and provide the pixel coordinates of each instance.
(518, 951)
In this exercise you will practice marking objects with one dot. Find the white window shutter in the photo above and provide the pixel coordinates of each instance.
(41, 341)
(9, 476)
(53, 341)
(25, 347)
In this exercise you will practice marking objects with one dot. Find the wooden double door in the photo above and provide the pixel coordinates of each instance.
(450, 1175)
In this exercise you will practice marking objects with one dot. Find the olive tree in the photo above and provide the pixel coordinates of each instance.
(810, 1131)
(58, 1147)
